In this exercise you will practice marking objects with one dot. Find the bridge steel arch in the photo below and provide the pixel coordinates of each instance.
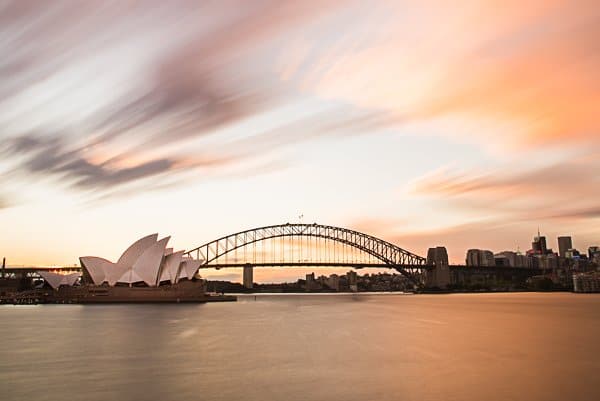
(407, 263)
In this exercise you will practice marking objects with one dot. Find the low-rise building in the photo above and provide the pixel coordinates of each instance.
(352, 280)
(547, 261)
(333, 282)
(586, 282)
(311, 284)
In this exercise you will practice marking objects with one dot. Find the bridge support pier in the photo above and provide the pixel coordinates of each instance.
(248, 280)
(438, 277)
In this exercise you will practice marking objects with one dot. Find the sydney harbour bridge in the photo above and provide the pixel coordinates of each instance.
(304, 245)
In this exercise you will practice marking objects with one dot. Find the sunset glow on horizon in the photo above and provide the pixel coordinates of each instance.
(423, 123)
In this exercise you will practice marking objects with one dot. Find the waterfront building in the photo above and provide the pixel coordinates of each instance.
(586, 282)
(352, 280)
(564, 244)
(572, 254)
(594, 252)
(525, 261)
(533, 262)
(506, 258)
(547, 261)
(310, 282)
(333, 282)
(512, 259)
(502, 261)
(146, 262)
(480, 257)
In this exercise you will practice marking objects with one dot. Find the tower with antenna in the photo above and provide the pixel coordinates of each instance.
(539, 244)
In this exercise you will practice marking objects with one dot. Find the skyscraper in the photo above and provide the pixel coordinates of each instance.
(564, 244)
(538, 246)
(592, 251)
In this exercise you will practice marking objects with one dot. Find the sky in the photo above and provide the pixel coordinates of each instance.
(465, 124)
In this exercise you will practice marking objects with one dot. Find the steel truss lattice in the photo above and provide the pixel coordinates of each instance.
(407, 263)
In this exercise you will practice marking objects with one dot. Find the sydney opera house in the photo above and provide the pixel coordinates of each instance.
(147, 262)
(147, 271)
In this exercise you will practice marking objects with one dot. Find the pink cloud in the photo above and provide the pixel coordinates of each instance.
(527, 70)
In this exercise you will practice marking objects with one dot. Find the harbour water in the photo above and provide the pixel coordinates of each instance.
(520, 346)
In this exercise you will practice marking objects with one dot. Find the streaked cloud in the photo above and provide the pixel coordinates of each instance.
(51, 156)
(510, 69)
(567, 189)
(347, 103)
(203, 74)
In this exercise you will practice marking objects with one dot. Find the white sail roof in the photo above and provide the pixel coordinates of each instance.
(188, 269)
(135, 250)
(115, 272)
(148, 264)
(170, 267)
(96, 268)
(71, 279)
(146, 260)
(55, 280)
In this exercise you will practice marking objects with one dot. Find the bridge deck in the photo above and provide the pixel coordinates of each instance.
(355, 265)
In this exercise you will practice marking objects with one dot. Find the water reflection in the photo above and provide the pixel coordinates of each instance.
(388, 347)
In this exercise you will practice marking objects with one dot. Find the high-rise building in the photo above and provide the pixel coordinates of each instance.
(539, 244)
(564, 244)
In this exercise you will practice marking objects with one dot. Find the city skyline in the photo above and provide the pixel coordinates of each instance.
(466, 128)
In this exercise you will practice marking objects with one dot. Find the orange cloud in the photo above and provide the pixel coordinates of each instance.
(568, 189)
(530, 67)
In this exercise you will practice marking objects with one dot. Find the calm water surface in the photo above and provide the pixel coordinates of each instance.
(341, 347)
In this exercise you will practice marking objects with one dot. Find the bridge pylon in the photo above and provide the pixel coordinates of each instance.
(248, 279)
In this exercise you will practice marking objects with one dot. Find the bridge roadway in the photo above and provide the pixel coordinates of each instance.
(457, 268)
(357, 265)
(354, 265)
